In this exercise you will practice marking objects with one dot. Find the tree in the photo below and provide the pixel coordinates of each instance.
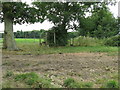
(12, 13)
(61, 14)
(100, 24)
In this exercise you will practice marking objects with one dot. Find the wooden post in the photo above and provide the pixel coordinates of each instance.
(34, 37)
(40, 38)
(54, 38)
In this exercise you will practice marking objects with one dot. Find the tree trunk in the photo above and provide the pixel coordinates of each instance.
(9, 41)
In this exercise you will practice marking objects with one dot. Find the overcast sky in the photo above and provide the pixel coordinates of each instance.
(46, 25)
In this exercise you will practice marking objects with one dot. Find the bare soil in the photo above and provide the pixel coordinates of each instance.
(58, 67)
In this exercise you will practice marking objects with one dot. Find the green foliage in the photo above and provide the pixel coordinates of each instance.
(10, 9)
(111, 84)
(113, 41)
(72, 35)
(61, 15)
(33, 80)
(26, 13)
(100, 24)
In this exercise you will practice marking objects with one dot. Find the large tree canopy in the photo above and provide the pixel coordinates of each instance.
(61, 14)
(100, 24)
(64, 16)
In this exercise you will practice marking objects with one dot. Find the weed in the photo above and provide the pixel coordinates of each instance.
(9, 74)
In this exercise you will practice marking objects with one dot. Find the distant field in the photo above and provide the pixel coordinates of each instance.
(26, 40)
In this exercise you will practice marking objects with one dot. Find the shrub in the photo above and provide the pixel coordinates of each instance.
(113, 41)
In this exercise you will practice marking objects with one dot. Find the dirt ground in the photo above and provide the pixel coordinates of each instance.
(58, 67)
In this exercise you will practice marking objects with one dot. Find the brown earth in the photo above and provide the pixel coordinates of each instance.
(58, 67)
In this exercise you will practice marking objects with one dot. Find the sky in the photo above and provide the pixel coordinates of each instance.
(46, 25)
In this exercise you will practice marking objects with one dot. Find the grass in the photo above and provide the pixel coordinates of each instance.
(87, 41)
(110, 84)
(26, 80)
(27, 40)
(33, 80)
(71, 83)
(36, 49)
(32, 45)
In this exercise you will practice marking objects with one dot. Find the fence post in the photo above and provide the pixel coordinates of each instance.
(54, 38)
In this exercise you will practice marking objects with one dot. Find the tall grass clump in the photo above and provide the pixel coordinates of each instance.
(87, 41)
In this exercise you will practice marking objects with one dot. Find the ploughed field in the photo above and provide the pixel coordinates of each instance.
(95, 67)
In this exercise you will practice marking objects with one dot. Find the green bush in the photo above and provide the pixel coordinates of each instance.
(113, 41)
